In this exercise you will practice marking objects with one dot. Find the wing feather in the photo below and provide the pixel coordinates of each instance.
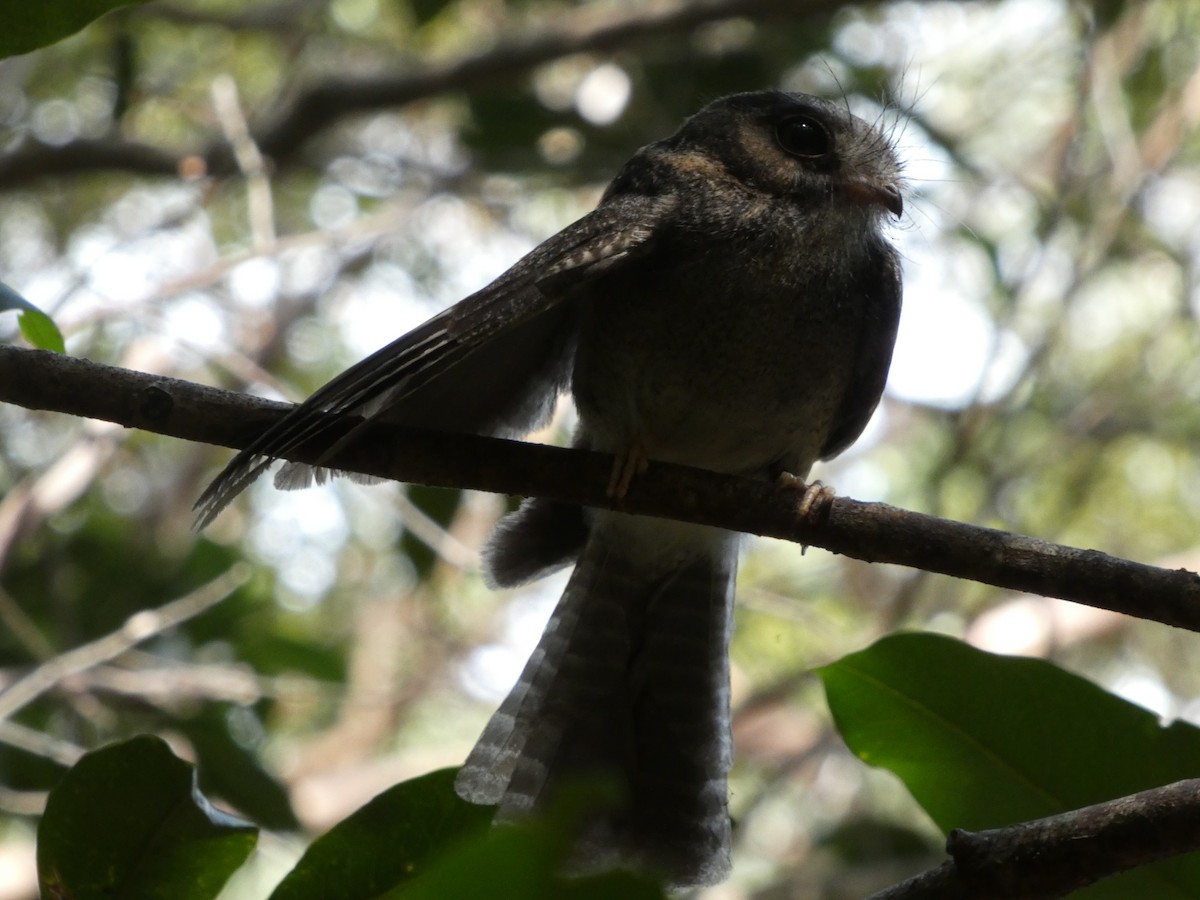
(393, 377)
(874, 353)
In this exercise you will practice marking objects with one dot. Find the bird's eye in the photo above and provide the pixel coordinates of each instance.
(803, 136)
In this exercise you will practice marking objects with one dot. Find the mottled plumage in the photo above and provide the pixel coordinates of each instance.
(731, 304)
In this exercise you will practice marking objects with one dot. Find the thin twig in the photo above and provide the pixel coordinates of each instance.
(259, 202)
(137, 628)
(21, 626)
(39, 743)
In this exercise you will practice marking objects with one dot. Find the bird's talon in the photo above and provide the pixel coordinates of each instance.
(816, 499)
(628, 465)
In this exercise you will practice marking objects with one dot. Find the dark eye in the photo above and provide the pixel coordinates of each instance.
(803, 136)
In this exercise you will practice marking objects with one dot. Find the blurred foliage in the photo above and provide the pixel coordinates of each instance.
(52, 21)
(1047, 378)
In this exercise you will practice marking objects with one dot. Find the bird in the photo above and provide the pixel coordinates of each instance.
(731, 304)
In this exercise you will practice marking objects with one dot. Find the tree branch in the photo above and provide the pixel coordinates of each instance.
(33, 159)
(873, 532)
(137, 628)
(586, 29)
(1052, 857)
(321, 105)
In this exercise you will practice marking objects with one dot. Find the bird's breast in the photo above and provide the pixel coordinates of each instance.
(717, 362)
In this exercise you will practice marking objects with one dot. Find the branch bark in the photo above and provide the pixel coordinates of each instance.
(873, 532)
(1052, 857)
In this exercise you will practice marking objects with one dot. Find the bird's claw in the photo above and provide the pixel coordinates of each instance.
(628, 465)
(816, 499)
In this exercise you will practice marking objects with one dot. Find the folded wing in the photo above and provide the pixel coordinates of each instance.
(492, 364)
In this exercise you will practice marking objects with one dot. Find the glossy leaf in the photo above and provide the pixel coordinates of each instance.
(524, 861)
(419, 841)
(519, 863)
(128, 821)
(233, 771)
(983, 740)
(389, 840)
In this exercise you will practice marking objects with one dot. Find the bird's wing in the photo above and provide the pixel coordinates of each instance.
(874, 353)
(506, 339)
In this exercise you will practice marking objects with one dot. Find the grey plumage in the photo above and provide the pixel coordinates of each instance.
(630, 681)
(491, 364)
(731, 304)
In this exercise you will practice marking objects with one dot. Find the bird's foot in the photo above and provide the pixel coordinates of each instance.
(628, 465)
(816, 499)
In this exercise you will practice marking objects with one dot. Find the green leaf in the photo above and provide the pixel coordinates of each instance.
(524, 861)
(386, 842)
(37, 327)
(127, 821)
(232, 771)
(519, 862)
(419, 841)
(982, 740)
(24, 28)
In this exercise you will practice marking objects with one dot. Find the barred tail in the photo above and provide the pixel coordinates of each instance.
(630, 681)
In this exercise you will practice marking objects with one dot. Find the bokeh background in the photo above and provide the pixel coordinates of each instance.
(1046, 380)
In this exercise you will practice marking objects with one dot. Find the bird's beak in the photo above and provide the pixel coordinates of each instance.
(886, 195)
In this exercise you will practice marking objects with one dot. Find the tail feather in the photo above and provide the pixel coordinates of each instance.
(541, 537)
(630, 681)
(489, 769)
